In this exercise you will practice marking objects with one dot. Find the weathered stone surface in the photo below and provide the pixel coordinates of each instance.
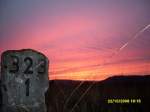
(24, 77)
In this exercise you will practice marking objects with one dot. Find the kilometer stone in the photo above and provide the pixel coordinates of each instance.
(24, 77)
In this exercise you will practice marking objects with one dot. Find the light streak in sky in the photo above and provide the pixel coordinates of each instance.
(120, 49)
(136, 35)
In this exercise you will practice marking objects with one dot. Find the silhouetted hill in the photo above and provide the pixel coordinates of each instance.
(59, 97)
(95, 100)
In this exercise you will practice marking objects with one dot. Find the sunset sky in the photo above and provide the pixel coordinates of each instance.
(83, 39)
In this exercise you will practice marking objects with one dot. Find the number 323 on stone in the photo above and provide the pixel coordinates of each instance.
(24, 76)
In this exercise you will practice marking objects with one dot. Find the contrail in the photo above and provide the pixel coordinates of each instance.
(120, 49)
(135, 36)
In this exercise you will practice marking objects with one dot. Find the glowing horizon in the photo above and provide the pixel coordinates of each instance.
(83, 40)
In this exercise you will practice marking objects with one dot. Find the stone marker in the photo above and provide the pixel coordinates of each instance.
(24, 77)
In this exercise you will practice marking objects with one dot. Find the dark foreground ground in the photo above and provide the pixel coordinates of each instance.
(95, 99)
